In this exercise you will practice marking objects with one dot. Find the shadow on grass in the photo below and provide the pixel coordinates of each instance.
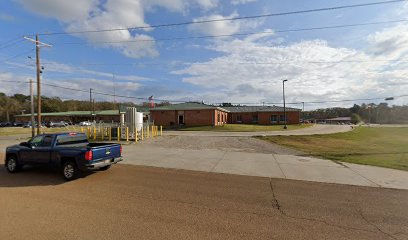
(32, 176)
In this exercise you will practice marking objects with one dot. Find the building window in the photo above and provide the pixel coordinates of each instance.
(239, 119)
(274, 118)
(282, 118)
(255, 118)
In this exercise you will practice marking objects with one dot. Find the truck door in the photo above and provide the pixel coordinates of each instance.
(42, 152)
(39, 152)
(26, 154)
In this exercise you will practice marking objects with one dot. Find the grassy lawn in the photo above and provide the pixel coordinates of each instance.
(244, 128)
(383, 147)
(7, 131)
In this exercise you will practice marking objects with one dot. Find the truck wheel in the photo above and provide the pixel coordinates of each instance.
(70, 171)
(12, 164)
(105, 168)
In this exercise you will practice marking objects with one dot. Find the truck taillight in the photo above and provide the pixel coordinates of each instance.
(88, 155)
(121, 150)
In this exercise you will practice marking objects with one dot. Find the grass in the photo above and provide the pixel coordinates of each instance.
(383, 147)
(8, 131)
(244, 128)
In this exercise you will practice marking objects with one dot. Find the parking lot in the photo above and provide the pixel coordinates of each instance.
(130, 202)
(238, 189)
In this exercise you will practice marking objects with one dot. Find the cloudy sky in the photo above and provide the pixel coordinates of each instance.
(176, 63)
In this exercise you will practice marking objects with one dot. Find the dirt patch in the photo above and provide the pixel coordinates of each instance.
(237, 144)
(1, 157)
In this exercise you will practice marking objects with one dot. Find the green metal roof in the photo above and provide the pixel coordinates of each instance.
(76, 113)
(187, 106)
(237, 109)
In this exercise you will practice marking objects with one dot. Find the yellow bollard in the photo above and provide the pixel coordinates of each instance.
(136, 135)
(110, 134)
(82, 129)
(94, 133)
(118, 134)
(161, 130)
(142, 134)
(155, 131)
(127, 134)
(148, 132)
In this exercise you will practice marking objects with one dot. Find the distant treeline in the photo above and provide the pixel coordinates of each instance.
(369, 113)
(20, 103)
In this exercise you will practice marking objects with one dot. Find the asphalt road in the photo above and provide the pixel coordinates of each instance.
(134, 202)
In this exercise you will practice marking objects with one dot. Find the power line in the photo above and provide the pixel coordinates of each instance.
(234, 63)
(227, 19)
(11, 43)
(18, 55)
(235, 34)
(179, 101)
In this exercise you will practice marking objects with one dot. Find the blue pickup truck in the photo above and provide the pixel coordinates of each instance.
(71, 152)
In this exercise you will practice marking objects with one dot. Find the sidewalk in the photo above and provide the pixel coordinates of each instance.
(266, 165)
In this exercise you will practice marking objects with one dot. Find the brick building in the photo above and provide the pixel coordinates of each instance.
(197, 114)
(263, 115)
(189, 114)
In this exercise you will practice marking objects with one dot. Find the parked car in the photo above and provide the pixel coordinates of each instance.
(6, 124)
(17, 124)
(56, 124)
(71, 152)
(85, 123)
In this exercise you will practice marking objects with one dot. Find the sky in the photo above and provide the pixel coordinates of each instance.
(175, 63)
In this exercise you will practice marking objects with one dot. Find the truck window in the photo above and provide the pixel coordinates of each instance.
(71, 139)
(36, 141)
(46, 142)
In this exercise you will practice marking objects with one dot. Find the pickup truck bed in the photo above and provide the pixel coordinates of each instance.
(72, 152)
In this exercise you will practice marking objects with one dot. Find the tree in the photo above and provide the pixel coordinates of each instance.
(355, 118)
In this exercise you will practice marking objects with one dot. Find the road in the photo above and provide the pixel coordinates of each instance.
(136, 202)
(315, 129)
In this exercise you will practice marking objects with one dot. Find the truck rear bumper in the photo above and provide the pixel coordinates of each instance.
(103, 163)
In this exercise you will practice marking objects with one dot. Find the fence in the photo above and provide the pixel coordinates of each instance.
(112, 133)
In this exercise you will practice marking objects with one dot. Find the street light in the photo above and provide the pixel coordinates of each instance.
(284, 103)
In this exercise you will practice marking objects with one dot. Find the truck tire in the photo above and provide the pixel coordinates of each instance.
(70, 171)
(12, 164)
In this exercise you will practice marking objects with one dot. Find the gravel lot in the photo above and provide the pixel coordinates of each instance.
(236, 144)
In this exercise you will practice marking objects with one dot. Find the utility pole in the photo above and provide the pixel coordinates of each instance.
(37, 60)
(303, 111)
(38, 44)
(90, 100)
(91, 107)
(284, 103)
(32, 108)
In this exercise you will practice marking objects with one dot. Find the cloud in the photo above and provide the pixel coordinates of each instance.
(72, 10)
(239, 2)
(6, 17)
(390, 42)
(84, 15)
(250, 70)
(207, 4)
(180, 5)
(56, 67)
(217, 27)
